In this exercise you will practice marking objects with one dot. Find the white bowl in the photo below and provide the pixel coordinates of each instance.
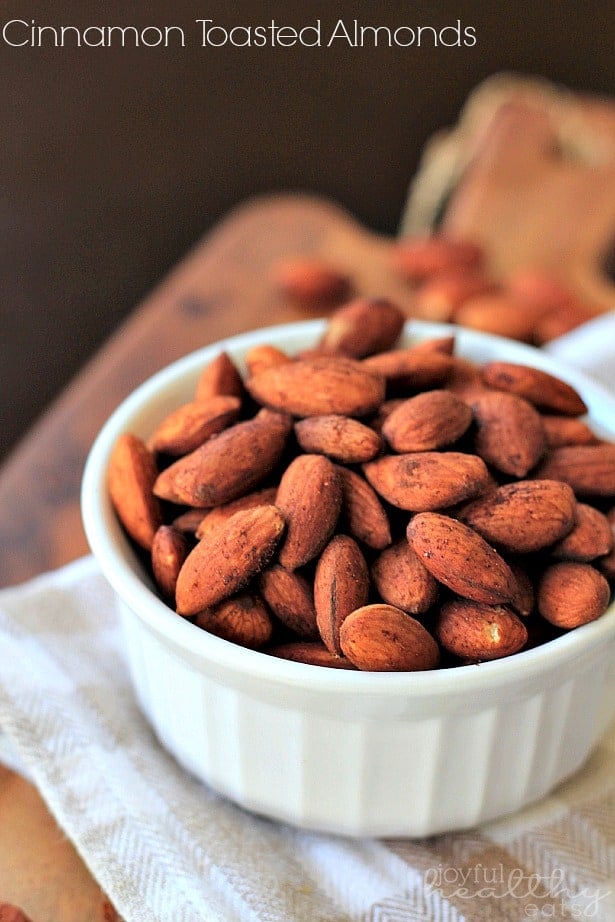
(395, 754)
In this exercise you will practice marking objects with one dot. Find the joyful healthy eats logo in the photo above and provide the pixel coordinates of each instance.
(537, 896)
(207, 33)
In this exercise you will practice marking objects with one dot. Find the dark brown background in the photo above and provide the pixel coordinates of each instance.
(115, 161)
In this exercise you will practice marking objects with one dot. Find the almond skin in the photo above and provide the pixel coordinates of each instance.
(442, 297)
(460, 559)
(588, 469)
(263, 356)
(341, 584)
(429, 420)
(419, 258)
(243, 619)
(318, 386)
(424, 481)
(227, 465)
(309, 497)
(523, 516)
(365, 517)
(401, 579)
(193, 423)
(220, 376)
(567, 430)
(539, 387)
(311, 281)
(590, 537)
(291, 599)
(475, 631)
(339, 437)
(382, 638)
(169, 550)
(225, 561)
(131, 476)
(499, 313)
(212, 519)
(311, 653)
(410, 369)
(510, 434)
(570, 594)
(362, 327)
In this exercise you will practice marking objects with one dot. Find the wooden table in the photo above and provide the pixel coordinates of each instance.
(223, 287)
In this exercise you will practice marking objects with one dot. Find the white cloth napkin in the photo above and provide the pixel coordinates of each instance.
(167, 849)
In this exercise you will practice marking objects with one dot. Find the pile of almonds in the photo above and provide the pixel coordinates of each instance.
(448, 281)
(372, 507)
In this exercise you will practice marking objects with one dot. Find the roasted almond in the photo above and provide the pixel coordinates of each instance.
(310, 653)
(382, 638)
(227, 465)
(291, 599)
(131, 476)
(570, 594)
(193, 423)
(406, 370)
(264, 356)
(430, 420)
(589, 469)
(225, 561)
(220, 376)
(459, 558)
(428, 480)
(500, 313)
(421, 257)
(319, 386)
(402, 580)
(169, 550)
(213, 518)
(510, 433)
(364, 514)
(567, 430)
(441, 298)
(476, 631)
(339, 437)
(542, 389)
(363, 326)
(523, 516)
(341, 584)
(590, 537)
(311, 281)
(309, 497)
(242, 619)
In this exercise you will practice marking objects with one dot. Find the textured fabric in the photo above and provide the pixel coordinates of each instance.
(167, 849)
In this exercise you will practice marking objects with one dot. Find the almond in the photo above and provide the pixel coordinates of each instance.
(319, 386)
(263, 356)
(499, 313)
(429, 420)
(225, 561)
(523, 516)
(570, 594)
(309, 497)
(365, 516)
(561, 321)
(567, 430)
(131, 476)
(590, 537)
(428, 480)
(589, 469)
(444, 344)
(169, 550)
(510, 433)
(401, 579)
(476, 631)
(193, 423)
(341, 584)
(410, 369)
(419, 258)
(212, 519)
(291, 599)
(539, 387)
(220, 376)
(607, 563)
(311, 281)
(188, 522)
(227, 465)
(382, 638)
(524, 600)
(312, 654)
(243, 619)
(441, 298)
(459, 558)
(363, 326)
(340, 437)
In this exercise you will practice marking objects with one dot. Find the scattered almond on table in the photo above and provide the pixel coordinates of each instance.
(370, 507)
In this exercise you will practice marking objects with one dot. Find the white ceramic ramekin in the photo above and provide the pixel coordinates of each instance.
(404, 754)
